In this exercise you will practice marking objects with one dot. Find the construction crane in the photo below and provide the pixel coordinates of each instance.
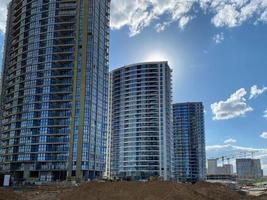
(242, 154)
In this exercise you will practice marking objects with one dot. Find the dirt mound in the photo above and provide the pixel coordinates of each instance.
(150, 191)
(263, 197)
(6, 194)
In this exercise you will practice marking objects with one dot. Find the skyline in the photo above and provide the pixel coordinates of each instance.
(193, 41)
(210, 63)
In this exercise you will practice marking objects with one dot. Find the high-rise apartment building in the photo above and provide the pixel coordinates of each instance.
(141, 121)
(189, 142)
(249, 168)
(55, 85)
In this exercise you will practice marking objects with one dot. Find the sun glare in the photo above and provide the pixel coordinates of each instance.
(156, 56)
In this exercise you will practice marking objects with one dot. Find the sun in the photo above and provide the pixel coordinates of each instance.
(156, 56)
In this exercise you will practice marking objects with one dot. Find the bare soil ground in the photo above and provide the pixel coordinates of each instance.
(153, 190)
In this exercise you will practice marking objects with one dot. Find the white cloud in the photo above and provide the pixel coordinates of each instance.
(138, 14)
(184, 21)
(263, 16)
(255, 91)
(234, 106)
(264, 135)
(3, 14)
(229, 141)
(234, 151)
(232, 13)
(265, 114)
(218, 38)
(229, 149)
(226, 16)
(162, 26)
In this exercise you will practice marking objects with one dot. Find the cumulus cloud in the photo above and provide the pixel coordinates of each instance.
(226, 16)
(229, 141)
(255, 91)
(234, 106)
(264, 135)
(218, 38)
(138, 14)
(232, 13)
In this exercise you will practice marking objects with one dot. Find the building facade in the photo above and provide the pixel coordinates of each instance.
(55, 85)
(189, 142)
(107, 173)
(228, 169)
(249, 168)
(224, 169)
(212, 167)
(141, 121)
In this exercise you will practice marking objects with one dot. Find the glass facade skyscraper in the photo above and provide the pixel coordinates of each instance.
(55, 85)
(189, 142)
(141, 121)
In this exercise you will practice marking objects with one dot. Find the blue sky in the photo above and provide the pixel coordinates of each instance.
(206, 71)
(217, 50)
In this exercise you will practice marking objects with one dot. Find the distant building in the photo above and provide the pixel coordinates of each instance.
(214, 169)
(249, 168)
(212, 166)
(189, 142)
(228, 169)
(141, 121)
(220, 173)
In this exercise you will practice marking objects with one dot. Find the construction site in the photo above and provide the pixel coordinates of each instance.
(151, 190)
(242, 170)
(230, 177)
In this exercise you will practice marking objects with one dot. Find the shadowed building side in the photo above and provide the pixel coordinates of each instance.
(189, 142)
